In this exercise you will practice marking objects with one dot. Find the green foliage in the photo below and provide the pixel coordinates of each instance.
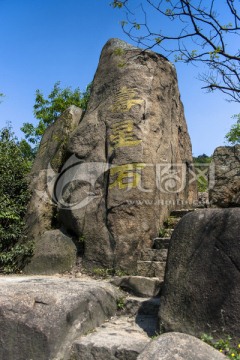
(162, 232)
(198, 23)
(117, 4)
(137, 26)
(47, 110)
(15, 163)
(103, 273)
(120, 273)
(82, 239)
(120, 303)
(202, 180)
(168, 225)
(106, 273)
(170, 222)
(233, 136)
(223, 345)
(119, 52)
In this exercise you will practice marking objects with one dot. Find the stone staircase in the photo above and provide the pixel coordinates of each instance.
(152, 262)
(125, 335)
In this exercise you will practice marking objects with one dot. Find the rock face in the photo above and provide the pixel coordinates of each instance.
(138, 285)
(180, 347)
(41, 212)
(117, 339)
(201, 291)
(54, 252)
(134, 158)
(41, 316)
(226, 190)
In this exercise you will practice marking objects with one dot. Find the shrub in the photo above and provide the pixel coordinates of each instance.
(223, 345)
(15, 164)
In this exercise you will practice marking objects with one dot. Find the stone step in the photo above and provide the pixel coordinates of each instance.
(134, 305)
(138, 285)
(161, 243)
(180, 213)
(171, 222)
(154, 255)
(151, 269)
(164, 232)
(120, 338)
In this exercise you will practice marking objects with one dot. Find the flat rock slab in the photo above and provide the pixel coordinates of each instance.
(138, 285)
(120, 338)
(177, 346)
(40, 317)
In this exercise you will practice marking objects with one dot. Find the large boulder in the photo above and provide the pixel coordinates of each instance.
(54, 252)
(41, 212)
(42, 316)
(180, 347)
(201, 291)
(134, 158)
(226, 167)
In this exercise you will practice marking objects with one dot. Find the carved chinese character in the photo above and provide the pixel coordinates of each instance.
(122, 134)
(124, 100)
(126, 176)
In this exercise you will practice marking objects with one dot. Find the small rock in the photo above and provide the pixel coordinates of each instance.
(78, 275)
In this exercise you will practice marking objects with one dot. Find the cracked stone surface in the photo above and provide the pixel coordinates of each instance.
(40, 317)
(135, 124)
(201, 292)
(120, 338)
(226, 166)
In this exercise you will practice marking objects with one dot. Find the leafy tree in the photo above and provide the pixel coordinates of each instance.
(202, 159)
(192, 31)
(200, 162)
(15, 164)
(233, 136)
(47, 110)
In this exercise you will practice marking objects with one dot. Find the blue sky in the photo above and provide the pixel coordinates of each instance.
(44, 41)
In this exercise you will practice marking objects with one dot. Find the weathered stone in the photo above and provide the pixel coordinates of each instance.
(180, 347)
(203, 199)
(51, 155)
(201, 291)
(151, 269)
(54, 253)
(132, 142)
(161, 243)
(117, 339)
(138, 285)
(134, 305)
(42, 316)
(226, 166)
(154, 255)
(49, 160)
(179, 213)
